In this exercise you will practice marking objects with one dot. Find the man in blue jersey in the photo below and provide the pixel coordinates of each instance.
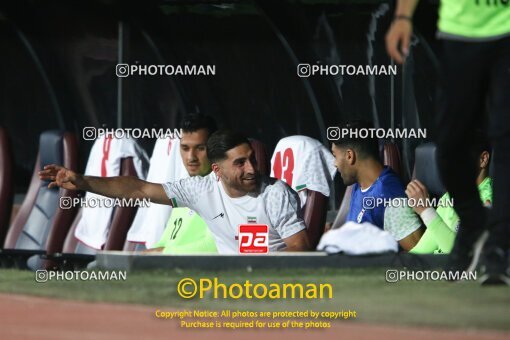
(357, 160)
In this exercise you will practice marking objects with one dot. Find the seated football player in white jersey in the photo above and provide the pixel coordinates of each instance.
(232, 195)
(196, 129)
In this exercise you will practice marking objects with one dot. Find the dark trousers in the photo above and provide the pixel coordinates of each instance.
(476, 79)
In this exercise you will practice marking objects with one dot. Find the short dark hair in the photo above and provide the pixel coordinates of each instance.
(193, 122)
(481, 141)
(221, 141)
(364, 147)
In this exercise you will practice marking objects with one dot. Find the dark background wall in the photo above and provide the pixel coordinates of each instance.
(58, 58)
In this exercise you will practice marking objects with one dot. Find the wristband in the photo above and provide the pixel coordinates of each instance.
(403, 17)
(428, 215)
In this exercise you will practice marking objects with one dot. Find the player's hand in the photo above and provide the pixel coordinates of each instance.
(59, 177)
(418, 192)
(327, 227)
(398, 39)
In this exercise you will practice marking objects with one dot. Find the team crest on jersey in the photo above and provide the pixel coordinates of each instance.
(360, 215)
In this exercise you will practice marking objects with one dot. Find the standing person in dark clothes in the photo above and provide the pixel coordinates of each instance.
(476, 71)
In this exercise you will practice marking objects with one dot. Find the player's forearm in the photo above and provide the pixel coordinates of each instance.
(115, 187)
(436, 226)
(406, 7)
(411, 240)
(426, 245)
(298, 242)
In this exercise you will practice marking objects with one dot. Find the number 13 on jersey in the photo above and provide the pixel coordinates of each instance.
(253, 239)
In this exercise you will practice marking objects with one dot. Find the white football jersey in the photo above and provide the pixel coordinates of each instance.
(165, 166)
(277, 205)
(304, 164)
(105, 161)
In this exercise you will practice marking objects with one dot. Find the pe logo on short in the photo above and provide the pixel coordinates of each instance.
(253, 239)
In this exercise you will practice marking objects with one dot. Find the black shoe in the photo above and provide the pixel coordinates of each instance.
(495, 269)
(466, 250)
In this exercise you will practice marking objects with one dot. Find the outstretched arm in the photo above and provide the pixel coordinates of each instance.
(115, 187)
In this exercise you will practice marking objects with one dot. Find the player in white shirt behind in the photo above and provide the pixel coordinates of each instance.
(233, 194)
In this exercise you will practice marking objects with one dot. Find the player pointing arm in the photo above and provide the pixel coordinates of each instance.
(235, 191)
(114, 187)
